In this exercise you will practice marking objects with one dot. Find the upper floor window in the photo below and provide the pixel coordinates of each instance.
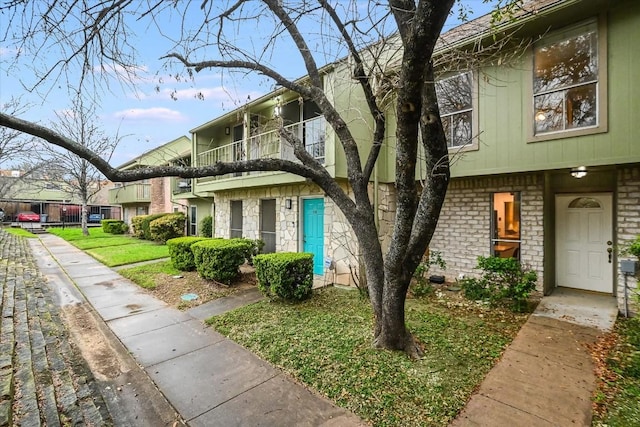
(455, 102)
(566, 76)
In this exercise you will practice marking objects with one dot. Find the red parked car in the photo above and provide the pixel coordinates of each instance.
(28, 216)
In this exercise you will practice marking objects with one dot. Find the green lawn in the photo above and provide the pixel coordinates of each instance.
(329, 349)
(75, 234)
(105, 242)
(621, 394)
(113, 256)
(143, 275)
(112, 249)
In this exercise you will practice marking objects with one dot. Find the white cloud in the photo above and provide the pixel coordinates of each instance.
(151, 114)
(8, 51)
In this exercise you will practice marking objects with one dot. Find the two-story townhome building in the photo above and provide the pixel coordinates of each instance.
(539, 111)
(545, 152)
(285, 211)
(156, 195)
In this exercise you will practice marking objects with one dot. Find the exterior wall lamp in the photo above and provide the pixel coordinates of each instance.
(227, 130)
(579, 172)
(287, 203)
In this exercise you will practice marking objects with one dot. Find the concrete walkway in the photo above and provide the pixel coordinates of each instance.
(207, 378)
(546, 376)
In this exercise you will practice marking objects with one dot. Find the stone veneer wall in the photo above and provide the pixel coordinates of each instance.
(340, 242)
(463, 231)
(628, 220)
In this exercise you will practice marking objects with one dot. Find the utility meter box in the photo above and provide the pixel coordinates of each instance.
(628, 266)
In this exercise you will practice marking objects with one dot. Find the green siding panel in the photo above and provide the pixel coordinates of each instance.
(504, 111)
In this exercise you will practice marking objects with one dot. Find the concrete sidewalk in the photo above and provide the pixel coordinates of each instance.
(209, 379)
(545, 377)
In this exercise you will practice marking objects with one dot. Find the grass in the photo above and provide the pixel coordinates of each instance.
(112, 250)
(113, 256)
(144, 275)
(623, 388)
(75, 234)
(329, 350)
(19, 232)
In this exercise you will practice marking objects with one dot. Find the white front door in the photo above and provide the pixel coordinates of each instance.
(584, 241)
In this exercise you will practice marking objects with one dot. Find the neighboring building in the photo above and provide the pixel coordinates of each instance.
(53, 200)
(156, 195)
(544, 150)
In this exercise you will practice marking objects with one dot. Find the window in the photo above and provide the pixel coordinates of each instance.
(584, 203)
(193, 221)
(566, 79)
(505, 225)
(236, 218)
(455, 102)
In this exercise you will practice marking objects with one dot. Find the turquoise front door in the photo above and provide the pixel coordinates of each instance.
(313, 231)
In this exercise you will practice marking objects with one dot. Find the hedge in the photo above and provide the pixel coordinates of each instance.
(114, 226)
(219, 259)
(180, 252)
(142, 223)
(206, 226)
(288, 275)
(167, 227)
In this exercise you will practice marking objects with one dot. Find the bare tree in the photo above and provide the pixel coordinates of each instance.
(379, 39)
(15, 149)
(78, 176)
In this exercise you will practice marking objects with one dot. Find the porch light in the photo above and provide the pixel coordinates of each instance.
(579, 172)
(227, 130)
(287, 203)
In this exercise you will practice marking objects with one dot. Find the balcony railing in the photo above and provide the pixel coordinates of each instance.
(269, 145)
(131, 193)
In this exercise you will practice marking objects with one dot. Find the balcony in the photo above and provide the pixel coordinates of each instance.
(269, 145)
(130, 193)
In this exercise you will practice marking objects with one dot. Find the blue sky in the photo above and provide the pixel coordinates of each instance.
(147, 114)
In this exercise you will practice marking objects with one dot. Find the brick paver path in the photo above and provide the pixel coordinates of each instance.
(43, 378)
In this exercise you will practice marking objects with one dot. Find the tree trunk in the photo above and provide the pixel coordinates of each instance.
(391, 332)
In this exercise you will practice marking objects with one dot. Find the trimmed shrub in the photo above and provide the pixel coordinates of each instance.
(287, 275)
(167, 227)
(142, 225)
(180, 252)
(114, 226)
(136, 226)
(219, 259)
(502, 278)
(206, 226)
